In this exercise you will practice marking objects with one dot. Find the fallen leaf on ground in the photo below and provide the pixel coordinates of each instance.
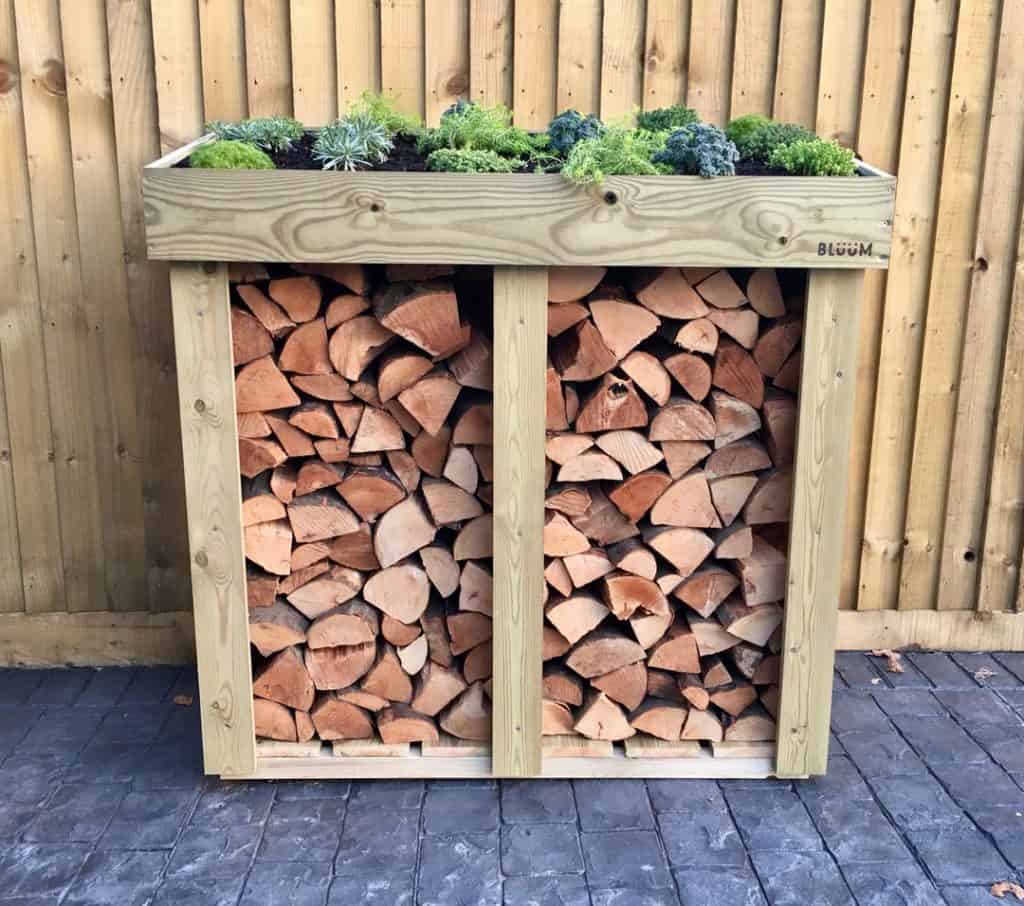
(893, 657)
(983, 674)
(183, 699)
(1004, 887)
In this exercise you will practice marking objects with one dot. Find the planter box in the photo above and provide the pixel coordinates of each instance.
(520, 224)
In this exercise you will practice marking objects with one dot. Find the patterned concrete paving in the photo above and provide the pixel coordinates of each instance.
(103, 803)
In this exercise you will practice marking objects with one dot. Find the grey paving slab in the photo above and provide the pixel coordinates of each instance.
(395, 889)
(977, 785)
(704, 834)
(312, 789)
(454, 809)
(857, 670)
(960, 854)
(736, 885)
(973, 896)
(855, 710)
(625, 859)
(77, 813)
(17, 685)
(40, 871)
(911, 703)
(148, 820)
(154, 684)
(668, 795)
(214, 853)
(881, 753)
(798, 879)
(613, 805)
(917, 803)
(370, 844)
(909, 677)
(458, 870)
(856, 830)
(227, 803)
(568, 890)
(104, 688)
(60, 687)
(540, 849)
(985, 669)
(388, 794)
(287, 884)
(773, 820)
(943, 672)
(1012, 661)
(117, 879)
(1005, 825)
(891, 884)
(212, 892)
(634, 897)
(538, 802)
(842, 781)
(940, 740)
(297, 835)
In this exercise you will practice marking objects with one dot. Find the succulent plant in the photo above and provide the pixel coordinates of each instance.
(759, 143)
(463, 160)
(616, 152)
(570, 127)
(814, 157)
(230, 155)
(699, 149)
(355, 142)
(666, 119)
(271, 133)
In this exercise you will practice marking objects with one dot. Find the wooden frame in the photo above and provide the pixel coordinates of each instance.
(281, 216)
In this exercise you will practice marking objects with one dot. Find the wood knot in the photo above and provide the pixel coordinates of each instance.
(457, 85)
(8, 77)
(53, 79)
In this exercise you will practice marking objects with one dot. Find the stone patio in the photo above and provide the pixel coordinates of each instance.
(104, 803)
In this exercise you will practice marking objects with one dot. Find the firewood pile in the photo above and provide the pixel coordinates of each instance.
(365, 444)
(671, 417)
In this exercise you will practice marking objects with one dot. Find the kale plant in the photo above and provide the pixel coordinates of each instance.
(616, 152)
(741, 128)
(699, 149)
(271, 133)
(666, 119)
(815, 157)
(230, 155)
(357, 141)
(759, 143)
(570, 127)
(463, 160)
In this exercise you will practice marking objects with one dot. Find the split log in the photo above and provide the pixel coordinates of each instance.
(284, 679)
(274, 721)
(400, 723)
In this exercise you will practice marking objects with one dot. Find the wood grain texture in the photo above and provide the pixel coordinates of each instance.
(796, 73)
(490, 51)
(71, 356)
(535, 62)
(666, 50)
(36, 526)
(222, 43)
(539, 219)
(620, 52)
(947, 630)
(206, 384)
(825, 404)
(709, 81)
(12, 595)
(446, 57)
(401, 53)
(924, 116)
(520, 320)
(990, 524)
(119, 460)
(314, 68)
(844, 30)
(268, 65)
(137, 135)
(357, 39)
(878, 137)
(580, 51)
(177, 60)
(947, 309)
(754, 51)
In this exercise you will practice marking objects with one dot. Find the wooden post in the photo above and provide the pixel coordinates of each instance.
(520, 356)
(827, 386)
(206, 388)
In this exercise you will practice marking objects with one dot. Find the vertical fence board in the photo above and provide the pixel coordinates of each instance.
(446, 56)
(754, 52)
(401, 53)
(71, 361)
(952, 260)
(314, 68)
(268, 64)
(105, 297)
(222, 42)
(878, 139)
(796, 73)
(906, 297)
(357, 42)
(709, 81)
(536, 62)
(579, 56)
(39, 575)
(179, 82)
(622, 48)
(490, 51)
(12, 595)
(666, 49)
(137, 134)
(843, 35)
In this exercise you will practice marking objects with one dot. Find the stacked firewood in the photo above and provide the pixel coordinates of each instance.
(671, 418)
(364, 401)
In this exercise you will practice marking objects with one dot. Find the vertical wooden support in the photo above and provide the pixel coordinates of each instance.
(520, 355)
(206, 387)
(826, 396)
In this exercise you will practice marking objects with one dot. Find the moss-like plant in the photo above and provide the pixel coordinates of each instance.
(666, 119)
(699, 149)
(381, 108)
(471, 127)
(463, 160)
(814, 158)
(741, 128)
(759, 143)
(616, 152)
(571, 127)
(271, 133)
(230, 155)
(355, 142)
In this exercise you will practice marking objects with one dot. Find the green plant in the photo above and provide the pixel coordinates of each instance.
(352, 143)
(815, 157)
(570, 127)
(230, 155)
(758, 144)
(699, 149)
(666, 119)
(381, 108)
(465, 160)
(469, 126)
(616, 152)
(741, 128)
(271, 133)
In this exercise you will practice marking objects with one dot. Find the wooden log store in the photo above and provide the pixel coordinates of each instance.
(479, 531)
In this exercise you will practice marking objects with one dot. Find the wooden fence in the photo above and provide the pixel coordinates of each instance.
(93, 548)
